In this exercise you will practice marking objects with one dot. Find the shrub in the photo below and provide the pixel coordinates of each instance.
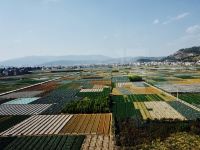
(134, 78)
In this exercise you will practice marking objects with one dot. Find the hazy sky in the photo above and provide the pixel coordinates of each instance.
(109, 27)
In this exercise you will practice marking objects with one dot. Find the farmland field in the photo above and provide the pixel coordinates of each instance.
(21, 109)
(100, 110)
(88, 124)
(44, 142)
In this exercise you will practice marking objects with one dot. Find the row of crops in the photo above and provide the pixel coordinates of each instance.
(62, 124)
(158, 110)
(188, 112)
(9, 121)
(91, 102)
(39, 125)
(59, 97)
(103, 142)
(23, 109)
(145, 97)
(42, 142)
(89, 124)
(120, 79)
(192, 98)
(123, 108)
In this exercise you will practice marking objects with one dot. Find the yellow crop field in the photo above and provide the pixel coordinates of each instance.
(187, 81)
(162, 110)
(143, 110)
(144, 90)
(115, 91)
(89, 124)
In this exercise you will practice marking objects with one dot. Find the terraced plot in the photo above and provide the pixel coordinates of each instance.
(43, 142)
(101, 142)
(39, 125)
(88, 124)
(23, 109)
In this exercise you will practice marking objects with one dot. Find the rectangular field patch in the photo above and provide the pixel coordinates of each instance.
(21, 109)
(39, 125)
(22, 100)
(89, 124)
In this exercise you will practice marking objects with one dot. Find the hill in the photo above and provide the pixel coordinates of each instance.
(185, 55)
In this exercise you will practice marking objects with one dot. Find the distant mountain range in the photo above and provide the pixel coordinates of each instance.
(187, 54)
(66, 60)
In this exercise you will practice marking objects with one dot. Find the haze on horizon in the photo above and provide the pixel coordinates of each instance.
(115, 28)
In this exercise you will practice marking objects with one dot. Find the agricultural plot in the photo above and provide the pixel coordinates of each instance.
(140, 84)
(92, 90)
(9, 121)
(115, 91)
(22, 100)
(124, 91)
(88, 124)
(101, 82)
(43, 142)
(131, 84)
(184, 88)
(39, 125)
(187, 81)
(15, 82)
(144, 90)
(143, 110)
(91, 102)
(59, 98)
(127, 106)
(24, 94)
(189, 111)
(123, 84)
(105, 92)
(128, 88)
(97, 86)
(192, 98)
(157, 110)
(145, 97)
(120, 79)
(123, 108)
(103, 142)
(21, 109)
(44, 87)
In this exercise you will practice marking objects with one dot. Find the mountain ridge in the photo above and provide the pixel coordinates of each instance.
(191, 54)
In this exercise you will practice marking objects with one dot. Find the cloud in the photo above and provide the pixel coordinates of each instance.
(190, 38)
(193, 29)
(156, 21)
(176, 18)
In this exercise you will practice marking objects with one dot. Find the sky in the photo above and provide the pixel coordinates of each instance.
(115, 28)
